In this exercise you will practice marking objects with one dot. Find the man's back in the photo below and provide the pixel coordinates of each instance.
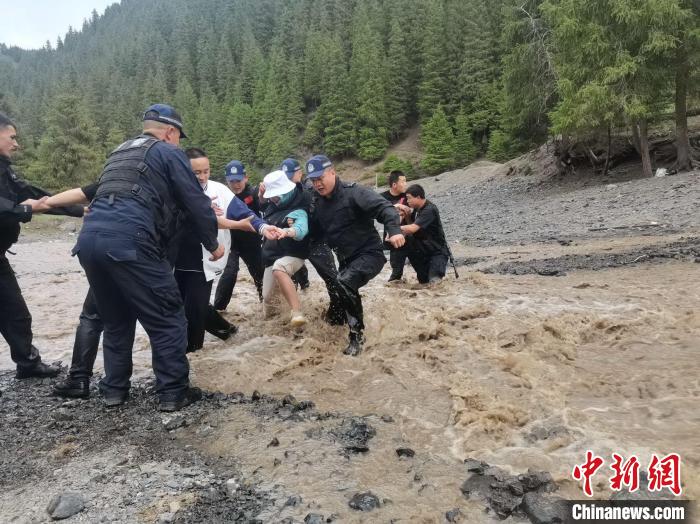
(166, 186)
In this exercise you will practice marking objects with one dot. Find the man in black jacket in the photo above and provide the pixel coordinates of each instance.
(428, 251)
(344, 213)
(17, 199)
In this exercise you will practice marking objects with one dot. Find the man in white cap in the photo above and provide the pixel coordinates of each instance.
(288, 207)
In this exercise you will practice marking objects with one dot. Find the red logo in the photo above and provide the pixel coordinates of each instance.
(662, 473)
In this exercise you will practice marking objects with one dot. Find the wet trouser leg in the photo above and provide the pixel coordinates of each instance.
(216, 324)
(352, 275)
(87, 339)
(251, 253)
(321, 257)
(421, 265)
(437, 267)
(15, 320)
(195, 291)
(397, 259)
(131, 283)
(224, 289)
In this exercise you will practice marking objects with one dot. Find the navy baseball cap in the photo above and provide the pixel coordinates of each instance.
(290, 166)
(165, 114)
(317, 165)
(235, 171)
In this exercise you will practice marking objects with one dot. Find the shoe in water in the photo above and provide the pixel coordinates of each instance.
(298, 319)
(354, 347)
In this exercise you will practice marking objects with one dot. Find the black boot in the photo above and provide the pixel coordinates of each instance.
(335, 316)
(73, 388)
(354, 347)
(218, 325)
(114, 398)
(190, 396)
(39, 370)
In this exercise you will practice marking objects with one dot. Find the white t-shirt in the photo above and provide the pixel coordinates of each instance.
(223, 198)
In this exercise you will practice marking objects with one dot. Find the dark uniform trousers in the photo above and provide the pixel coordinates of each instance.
(397, 260)
(321, 257)
(428, 266)
(132, 282)
(250, 251)
(15, 319)
(352, 275)
(87, 339)
(201, 316)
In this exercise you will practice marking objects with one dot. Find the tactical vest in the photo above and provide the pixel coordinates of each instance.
(123, 177)
(286, 247)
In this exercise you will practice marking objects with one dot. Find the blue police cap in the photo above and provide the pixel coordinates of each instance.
(290, 166)
(317, 165)
(235, 171)
(165, 114)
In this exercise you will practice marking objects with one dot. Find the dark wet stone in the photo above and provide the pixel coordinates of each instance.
(289, 400)
(366, 501)
(256, 396)
(293, 501)
(405, 452)
(332, 517)
(454, 515)
(314, 518)
(537, 481)
(304, 405)
(475, 466)
(503, 493)
(65, 505)
(354, 434)
(503, 502)
(544, 509)
(274, 443)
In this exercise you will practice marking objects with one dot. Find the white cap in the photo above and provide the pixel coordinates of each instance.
(277, 184)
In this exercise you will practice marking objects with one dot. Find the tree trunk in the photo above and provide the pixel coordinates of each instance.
(683, 158)
(644, 148)
(608, 153)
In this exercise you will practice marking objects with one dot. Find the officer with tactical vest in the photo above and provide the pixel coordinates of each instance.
(344, 214)
(287, 209)
(145, 184)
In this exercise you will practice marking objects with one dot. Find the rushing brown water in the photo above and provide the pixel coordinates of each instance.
(518, 371)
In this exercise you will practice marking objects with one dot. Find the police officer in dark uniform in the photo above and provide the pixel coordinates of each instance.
(18, 200)
(320, 255)
(145, 184)
(245, 245)
(344, 214)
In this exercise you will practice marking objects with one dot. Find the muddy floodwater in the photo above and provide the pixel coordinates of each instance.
(511, 364)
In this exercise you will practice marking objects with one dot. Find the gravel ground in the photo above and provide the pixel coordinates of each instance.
(481, 207)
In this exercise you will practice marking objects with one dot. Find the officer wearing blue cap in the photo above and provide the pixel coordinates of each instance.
(145, 184)
(320, 255)
(344, 213)
(244, 245)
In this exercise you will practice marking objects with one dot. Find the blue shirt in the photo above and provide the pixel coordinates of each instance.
(237, 210)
